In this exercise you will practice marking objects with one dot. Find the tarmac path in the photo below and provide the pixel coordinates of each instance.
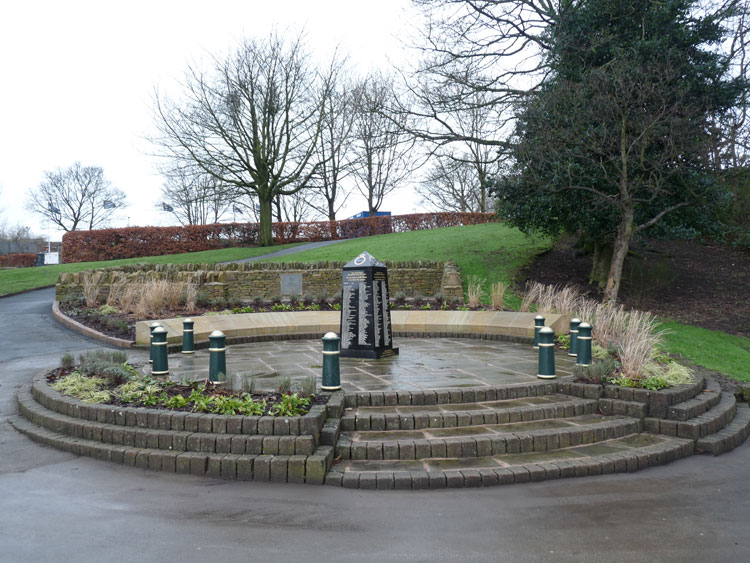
(55, 506)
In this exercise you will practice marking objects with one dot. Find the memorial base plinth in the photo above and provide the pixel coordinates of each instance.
(369, 354)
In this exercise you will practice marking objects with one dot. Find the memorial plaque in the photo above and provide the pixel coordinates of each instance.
(365, 311)
(291, 284)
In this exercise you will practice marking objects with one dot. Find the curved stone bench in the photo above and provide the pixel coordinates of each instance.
(511, 324)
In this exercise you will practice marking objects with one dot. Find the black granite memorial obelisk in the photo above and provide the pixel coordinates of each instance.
(365, 311)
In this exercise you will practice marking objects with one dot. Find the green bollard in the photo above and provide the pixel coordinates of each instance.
(331, 354)
(583, 345)
(159, 347)
(217, 358)
(152, 327)
(573, 336)
(546, 353)
(188, 341)
(538, 324)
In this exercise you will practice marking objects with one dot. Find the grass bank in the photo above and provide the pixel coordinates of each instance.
(493, 251)
(23, 279)
(712, 349)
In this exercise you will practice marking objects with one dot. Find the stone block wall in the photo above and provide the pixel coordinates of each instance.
(244, 282)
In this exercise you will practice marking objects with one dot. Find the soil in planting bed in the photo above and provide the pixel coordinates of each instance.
(704, 285)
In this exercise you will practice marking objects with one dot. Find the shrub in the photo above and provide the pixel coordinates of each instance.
(497, 292)
(474, 290)
(132, 242)
(18, 260)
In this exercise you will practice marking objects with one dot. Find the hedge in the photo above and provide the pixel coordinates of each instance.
(134, 242)
(18, 260)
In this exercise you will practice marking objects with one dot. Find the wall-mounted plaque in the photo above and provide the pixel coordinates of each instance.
(365, 311)
(291, 284)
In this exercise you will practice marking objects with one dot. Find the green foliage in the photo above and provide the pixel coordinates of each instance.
(597, 372)
(239, 310)
(86, 389)
(563, 340)
(107, 310)
(654, 383)
(599, 352)
(176, 402)
(281, 307)
(291, 405)
(647, 76)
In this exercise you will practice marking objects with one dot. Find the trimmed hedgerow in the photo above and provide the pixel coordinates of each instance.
(133, 242)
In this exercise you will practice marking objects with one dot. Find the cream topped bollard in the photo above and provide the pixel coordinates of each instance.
(546, 353)
(217, 355)
(583, 345)
(574, 324)
(188, 339)
(159, 348)
(331, 369)
(538, 324)
(152, 328)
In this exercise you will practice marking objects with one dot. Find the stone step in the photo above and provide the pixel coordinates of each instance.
(703, 425)
(702, 403)
(168, 440)
(483, 441)
(416, 417)
(282, 468)
(731, 436)
(469, 394)
(627, 454)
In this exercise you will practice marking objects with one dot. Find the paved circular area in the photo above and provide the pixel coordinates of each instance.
(423, 363)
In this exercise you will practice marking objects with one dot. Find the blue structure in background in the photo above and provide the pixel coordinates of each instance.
(364, 214)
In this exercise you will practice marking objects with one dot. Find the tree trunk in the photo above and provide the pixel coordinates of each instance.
(620, 251)
(602, 260)
(265, 236)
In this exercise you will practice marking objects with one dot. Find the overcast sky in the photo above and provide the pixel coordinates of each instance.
(79, 78)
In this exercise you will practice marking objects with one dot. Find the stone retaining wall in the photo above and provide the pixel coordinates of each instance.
(237, 282)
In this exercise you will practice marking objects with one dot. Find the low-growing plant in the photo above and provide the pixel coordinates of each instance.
(86, 389)
(176, 402)
(336, 306)
(240, 310)
(399, 297)
(654, 383)
(597, 372)
(439, 298)
(426, 307)
(251, 407)
(281, 307)
(291, 405)
(563, 340)
(107, 310)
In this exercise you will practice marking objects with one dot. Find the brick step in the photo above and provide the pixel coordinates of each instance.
(470, 394)
(482, 441)
(702, 403)
(465, 414)
(244, 467)
(731, 436)
(627, 454)
(168, 440)
(701, 426)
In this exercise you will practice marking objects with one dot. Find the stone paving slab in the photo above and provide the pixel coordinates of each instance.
(423, 363)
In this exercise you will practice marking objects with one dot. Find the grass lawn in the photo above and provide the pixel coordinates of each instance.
(492, 251)
(712, 349)
(21, 279)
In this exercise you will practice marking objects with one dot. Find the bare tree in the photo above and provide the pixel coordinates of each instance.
(383, 146)
(329, 188)
(254, 123)
(76, 197)
(194, 197)
(452, 185)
